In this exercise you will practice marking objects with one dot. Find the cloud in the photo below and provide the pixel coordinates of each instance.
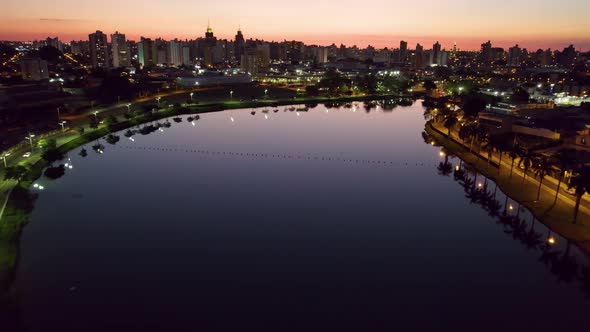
(51, 19)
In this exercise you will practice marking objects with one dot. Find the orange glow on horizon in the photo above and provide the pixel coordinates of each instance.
(380, 23)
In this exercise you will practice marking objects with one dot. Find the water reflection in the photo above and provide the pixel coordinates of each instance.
(519, 224)
(342, 211)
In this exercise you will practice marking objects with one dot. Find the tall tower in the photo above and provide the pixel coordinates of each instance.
(239, 44)
(209, 46)
(403, 51)
(209, 33)
(99, 54)
(119, 50)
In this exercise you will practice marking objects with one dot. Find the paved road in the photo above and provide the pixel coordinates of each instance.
(549, 183)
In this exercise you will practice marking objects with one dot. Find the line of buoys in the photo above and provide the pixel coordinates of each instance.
(276, 156)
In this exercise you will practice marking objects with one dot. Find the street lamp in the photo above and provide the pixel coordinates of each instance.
(62, 124)
(4, 158)
(30, 139)
(58, 115)
(231, 94)
(265, 93)
(191, 94)
(158, 99)
(128, 107)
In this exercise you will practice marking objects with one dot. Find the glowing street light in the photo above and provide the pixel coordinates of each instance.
(231, 94)
(128, 107)
(62, 124)
(192, 94)
(551, 240)
(4, 159)
(265, 93)
(30, 139)
(158, 99)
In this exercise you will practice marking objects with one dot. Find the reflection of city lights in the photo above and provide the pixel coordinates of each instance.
(266, 117)
(551, 240)
(432, 143)
(480, 185)
(442, 154)
(457, 168)
(232, 119)
(511, 207)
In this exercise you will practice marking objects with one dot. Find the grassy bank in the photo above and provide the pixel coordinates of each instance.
(558, 217)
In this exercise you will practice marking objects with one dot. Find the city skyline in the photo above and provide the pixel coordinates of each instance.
(361, 25)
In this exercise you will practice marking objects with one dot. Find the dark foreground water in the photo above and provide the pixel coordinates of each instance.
(325, 220)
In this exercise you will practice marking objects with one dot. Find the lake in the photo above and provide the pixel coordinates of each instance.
(325, 219)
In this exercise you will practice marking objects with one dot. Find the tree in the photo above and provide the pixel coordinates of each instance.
(563, 159)
(450, 122)
(48, 144)
(514, 152)
(50, 54)
(581, 183)
(15, 172)
(520, 95)
(542, 166)
(429, 85)
(473, 104)
(312, 91)
(527, 157)
(55, 172)
(52, 155)
(113, 87)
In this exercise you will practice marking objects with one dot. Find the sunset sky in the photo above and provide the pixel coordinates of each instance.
(381, 23)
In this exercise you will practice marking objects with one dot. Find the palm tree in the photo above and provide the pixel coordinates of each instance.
(450, 121)
(483, 137)
(514, 153)
(542, 166)
(563, 159)
(581, 183)
(527, 157)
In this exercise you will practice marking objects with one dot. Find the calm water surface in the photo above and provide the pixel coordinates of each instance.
(333, 219)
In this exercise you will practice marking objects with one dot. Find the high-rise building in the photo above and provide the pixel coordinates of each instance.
(514, 56)
(99, 50)
(486, 52)
(437, 56)
(403, 51)
(321, 55)
(175, 51)
(120, 50)
(418, 61)
(209, 47)
(147, 52)
(186, 55)
(239, 44)
(53, 42)
(34, 69)
(80, 47)
(568, 56)
(256, 59)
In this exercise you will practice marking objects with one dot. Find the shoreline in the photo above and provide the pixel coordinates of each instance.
(556, 218)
